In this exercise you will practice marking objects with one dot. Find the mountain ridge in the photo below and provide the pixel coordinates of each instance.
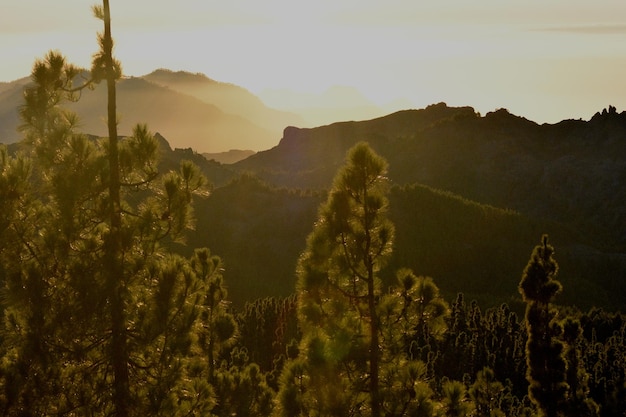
(229, 97)
(571, 168)
(186, 119)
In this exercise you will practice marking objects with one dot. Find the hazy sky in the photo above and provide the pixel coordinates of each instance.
(545, 60)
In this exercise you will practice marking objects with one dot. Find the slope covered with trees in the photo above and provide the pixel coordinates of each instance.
(259, 231)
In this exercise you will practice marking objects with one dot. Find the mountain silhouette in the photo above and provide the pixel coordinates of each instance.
(230, 98)
(470, 196)
(209, 120)
(572, 172)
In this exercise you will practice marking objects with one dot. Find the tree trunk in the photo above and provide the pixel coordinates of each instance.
(115, 277)
(371, 301)
(374, 348)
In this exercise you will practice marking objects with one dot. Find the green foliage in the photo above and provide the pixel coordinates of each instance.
(241, 388)
(486, 393)
(579, 403)
(455, 399)
(216, 327)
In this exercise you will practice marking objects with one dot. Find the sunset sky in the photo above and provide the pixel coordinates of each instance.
(544, 60)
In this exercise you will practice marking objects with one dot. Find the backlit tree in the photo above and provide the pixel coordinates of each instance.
(544, 349)
(99, 318)
(338, 291)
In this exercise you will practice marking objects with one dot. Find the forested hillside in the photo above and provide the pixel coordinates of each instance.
(470, 247)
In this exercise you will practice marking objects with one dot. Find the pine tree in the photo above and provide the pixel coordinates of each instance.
(217, 327)
(355, 353)
(412, 317)
(455, 399)
(485, 392)
(423, 312)
(37, 244)
(98, 317)
(544, 350)
(241, 388)
(578, 403)
(338, 289)
(116, 285)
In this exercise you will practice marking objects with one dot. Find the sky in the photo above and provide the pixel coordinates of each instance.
(545, 60)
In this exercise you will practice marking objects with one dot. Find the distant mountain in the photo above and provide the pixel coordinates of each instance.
(572, 172)
(186, 121)
(11, 98)
(310, 157)
(230, 98)
(229, 157)
(204, 124)
(337, 103)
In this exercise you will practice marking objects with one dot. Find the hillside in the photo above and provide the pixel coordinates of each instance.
(11, 98)
(259, 231)
(571, 172)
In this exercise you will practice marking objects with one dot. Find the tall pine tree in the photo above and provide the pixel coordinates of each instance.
(99, 318)
(355, 353)
(338, 291)
(544, 350)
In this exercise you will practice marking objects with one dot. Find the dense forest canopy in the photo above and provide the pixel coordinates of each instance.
(359, 288)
